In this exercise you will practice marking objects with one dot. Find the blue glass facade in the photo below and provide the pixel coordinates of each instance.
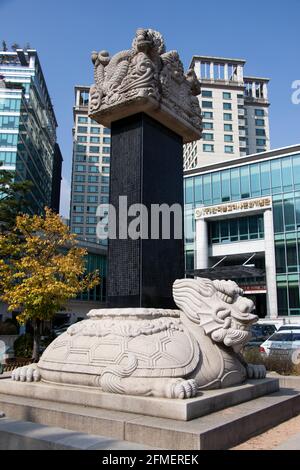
(96, 261)
(277, 177)
(27, 126)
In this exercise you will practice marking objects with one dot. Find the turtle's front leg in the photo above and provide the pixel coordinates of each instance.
(30, 373)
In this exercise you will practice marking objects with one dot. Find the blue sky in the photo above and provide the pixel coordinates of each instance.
(263, 32)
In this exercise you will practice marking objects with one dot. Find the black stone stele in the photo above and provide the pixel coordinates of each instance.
(147, 167)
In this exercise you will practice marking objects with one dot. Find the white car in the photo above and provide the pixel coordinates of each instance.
(284, 343)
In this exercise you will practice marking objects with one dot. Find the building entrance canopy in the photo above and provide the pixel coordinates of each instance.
(228, 272)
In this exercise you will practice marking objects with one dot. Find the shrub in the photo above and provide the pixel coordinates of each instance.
(8, 327)
(280, 364)
(23, 345)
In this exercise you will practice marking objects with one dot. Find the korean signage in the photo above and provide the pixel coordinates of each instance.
(233, 207)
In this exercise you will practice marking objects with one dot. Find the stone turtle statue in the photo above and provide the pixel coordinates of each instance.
(157, 352)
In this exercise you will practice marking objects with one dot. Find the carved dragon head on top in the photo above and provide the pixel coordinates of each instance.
(219, 307)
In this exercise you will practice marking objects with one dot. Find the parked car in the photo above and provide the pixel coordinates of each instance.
(287, 327)
(61, 329)
(260, 332)
(282, 344)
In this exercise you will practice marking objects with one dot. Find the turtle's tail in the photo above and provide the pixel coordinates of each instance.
(111, 377)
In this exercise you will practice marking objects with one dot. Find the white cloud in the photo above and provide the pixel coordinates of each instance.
(65, 194)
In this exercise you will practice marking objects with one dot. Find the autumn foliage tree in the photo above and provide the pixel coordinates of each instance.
(41, 268)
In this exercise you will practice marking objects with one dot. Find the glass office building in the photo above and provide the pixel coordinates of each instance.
(28, 127)
(249, 210)
(90, 170)
(89, 188)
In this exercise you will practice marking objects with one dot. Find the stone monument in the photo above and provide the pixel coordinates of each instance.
(142, 346)
(151, 106)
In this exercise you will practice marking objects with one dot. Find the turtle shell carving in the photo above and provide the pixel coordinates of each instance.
(154, 339)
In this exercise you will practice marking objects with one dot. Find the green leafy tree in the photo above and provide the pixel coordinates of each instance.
(13, 198)
(41, 268)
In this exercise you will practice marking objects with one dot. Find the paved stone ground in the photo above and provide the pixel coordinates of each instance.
(276, 436)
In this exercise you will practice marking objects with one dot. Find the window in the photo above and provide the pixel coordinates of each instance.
(206, 93)
(207, 136)
(92, 189)
(228, 149)
(94, 149)
(92, 209)
(106, 130)
(80, 167)
(226, 105)
(227, 117)
(91, 219)
(260, 132)
(207, 104)
(104, 199)
(208, 125)
(79, 178)
(78, 219)
(8, 140)
(259, 112)
(105, 189)
(106, 140)
(105, 149)
(207, 115)
(93, 179)
(81, 138)
(228, 138)
(78, 198)
(92, 199)
(226, 95)
(78, 208)
(82, 119)
(90, 230)
(259, 122)
(82, 129)
(105, 179)
(80, 148)
(105, 169)
(93, 159)
(79, 188)
(9, 122)
(260, 141)
(78, 230)
(227, 127)
(95, 140)
(208, 148)
(93, 169)
(255, 180)
(105, 159)
(8, 157)
(9, 104)
(225, 182)
(80, 158)
(95, 130)
(245, 182)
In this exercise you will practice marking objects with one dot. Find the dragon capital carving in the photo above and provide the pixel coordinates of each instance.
(147, 79)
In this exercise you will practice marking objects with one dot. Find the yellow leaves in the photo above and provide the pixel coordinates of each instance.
(41, 267)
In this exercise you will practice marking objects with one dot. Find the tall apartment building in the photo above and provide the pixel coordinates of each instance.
(90, 169)
(28, 127)
(235, 112)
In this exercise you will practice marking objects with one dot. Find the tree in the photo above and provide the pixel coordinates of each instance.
(4, 46)
(41, 268)
(13, 198)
